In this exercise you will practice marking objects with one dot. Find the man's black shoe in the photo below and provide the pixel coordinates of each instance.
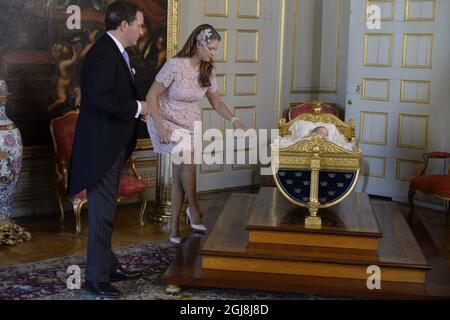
(104, 289)
(121, 274)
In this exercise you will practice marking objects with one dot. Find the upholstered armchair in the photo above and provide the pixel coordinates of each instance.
(63, 130)
(309, 107)
(437, 186)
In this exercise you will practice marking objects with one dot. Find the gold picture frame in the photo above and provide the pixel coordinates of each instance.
(172, 47)
(39, 146)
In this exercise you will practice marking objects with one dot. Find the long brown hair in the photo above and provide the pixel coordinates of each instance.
(190, 49)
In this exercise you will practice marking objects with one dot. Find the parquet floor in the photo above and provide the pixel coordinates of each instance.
(50, 239)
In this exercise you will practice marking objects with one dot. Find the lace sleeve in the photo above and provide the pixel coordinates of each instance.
(213, 87)
(167, 73)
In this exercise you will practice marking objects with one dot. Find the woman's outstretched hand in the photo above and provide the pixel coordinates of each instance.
(241, 130)
(239, 125)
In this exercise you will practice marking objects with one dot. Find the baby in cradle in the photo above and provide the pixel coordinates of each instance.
(338, 139)
(322, 132)
(305, 130)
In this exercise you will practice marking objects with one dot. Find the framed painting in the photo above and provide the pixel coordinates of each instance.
(42, 47)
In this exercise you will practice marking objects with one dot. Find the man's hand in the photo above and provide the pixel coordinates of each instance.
(144, 110)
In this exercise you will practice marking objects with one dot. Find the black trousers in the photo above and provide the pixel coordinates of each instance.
(102, 202)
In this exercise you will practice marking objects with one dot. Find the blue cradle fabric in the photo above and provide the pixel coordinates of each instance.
(296, 183)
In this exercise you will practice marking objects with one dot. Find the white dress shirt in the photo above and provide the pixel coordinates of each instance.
(122, 49)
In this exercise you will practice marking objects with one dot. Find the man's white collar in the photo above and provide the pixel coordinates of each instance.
(119, 45)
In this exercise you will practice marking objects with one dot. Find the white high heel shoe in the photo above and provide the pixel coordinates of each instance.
(176, 240)
(199, 227)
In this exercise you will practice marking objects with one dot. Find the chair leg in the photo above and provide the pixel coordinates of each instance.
(77, 206)
(143, 207)
(411, 194)
(61, 207)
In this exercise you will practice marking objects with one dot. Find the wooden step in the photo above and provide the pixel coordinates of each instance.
(348, 225)
(314, 268)
(226, 248)
(186, 270)
(334, 254)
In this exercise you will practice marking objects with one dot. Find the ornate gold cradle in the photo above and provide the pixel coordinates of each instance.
(315, 173)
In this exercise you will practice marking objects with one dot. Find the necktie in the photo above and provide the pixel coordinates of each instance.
(127, 59)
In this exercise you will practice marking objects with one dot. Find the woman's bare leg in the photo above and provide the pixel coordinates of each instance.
(177, 198)
(188, 179)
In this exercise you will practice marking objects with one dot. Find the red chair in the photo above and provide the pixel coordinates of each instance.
(309, 107)
(63, 130)
(436, 186)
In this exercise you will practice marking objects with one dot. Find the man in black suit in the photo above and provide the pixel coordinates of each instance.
(105, 137)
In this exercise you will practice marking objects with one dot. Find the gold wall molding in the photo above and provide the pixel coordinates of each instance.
(223, 89)
(364, 95)
(224, 13)
(254, 92)
(400, 143)
(224, 34)
(257, 44)
(371, 174)
(236, 167)
(398, 175)
(294, 69)
(204, 170)
(145, 163)
(247, 16)
(408, 7)
(37, 152)
(376, 2)
(253, 110)
(39, 182)
(363, 124)
(403, 89)
(406, 37)
(43, 171)
(222, 120)
(36, 183)
(367, 37)
(220, 168)
(144, 144)
(36, 190)
(281, 62)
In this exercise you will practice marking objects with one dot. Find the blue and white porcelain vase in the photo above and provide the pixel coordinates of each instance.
(10, 165)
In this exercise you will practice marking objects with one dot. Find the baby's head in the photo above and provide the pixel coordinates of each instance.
(322, 132)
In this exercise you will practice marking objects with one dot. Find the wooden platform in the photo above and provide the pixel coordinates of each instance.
(348, 225)
(229, 261)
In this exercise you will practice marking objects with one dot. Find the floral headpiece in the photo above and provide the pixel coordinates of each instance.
(204, 37)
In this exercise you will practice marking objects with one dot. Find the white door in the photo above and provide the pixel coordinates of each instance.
(397, 89)
(245, 72)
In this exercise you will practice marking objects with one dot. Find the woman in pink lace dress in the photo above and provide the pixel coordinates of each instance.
(173, 98)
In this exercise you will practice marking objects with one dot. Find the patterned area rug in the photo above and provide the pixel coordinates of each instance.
(46, 280)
